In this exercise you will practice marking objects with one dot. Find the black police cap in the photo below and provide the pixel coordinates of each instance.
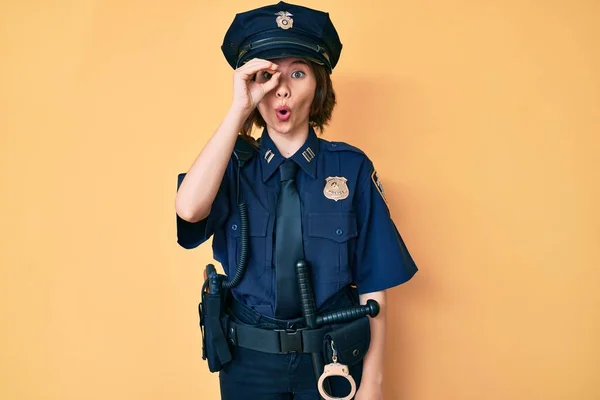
(282, 30)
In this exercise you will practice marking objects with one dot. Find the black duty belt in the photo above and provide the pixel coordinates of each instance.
(277, 341)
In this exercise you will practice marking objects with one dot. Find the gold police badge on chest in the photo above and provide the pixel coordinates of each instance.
(284, 20)
(336, 188)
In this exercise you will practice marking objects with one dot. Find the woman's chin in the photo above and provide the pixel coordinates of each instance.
(286, 127)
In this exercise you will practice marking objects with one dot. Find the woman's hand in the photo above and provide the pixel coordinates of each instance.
(369, 391)
(248, 92)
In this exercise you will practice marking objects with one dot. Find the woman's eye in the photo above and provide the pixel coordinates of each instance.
(298, 74)
(266, 75)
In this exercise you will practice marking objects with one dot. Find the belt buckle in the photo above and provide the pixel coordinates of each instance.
(290, 340)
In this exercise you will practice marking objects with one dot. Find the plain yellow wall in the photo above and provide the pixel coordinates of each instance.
(482, 118)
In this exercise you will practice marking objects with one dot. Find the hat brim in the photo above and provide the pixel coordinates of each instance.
(289, 50)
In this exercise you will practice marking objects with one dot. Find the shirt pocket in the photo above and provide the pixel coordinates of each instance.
(258, 246)
(332, 243)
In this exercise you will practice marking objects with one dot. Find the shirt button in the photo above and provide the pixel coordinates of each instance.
(234, 227)
(339, 232)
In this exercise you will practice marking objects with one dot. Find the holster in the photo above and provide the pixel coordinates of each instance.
(351, 341)
(213, 325)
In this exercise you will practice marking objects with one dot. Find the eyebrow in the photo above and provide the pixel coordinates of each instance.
(300, 62)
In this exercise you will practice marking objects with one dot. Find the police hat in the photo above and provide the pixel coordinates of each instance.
(282, 30)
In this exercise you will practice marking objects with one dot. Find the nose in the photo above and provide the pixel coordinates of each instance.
(283, 90)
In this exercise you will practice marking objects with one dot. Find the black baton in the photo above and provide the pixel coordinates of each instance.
(309, 311)
(349, 314)
(313, 321)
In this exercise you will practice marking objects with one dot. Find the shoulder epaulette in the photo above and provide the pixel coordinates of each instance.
(341, 146)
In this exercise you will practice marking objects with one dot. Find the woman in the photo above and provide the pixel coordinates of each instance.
(307, 198)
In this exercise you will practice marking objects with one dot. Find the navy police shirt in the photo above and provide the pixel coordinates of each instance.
(349, 236)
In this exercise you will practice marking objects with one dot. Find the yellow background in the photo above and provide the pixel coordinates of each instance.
(482, 118)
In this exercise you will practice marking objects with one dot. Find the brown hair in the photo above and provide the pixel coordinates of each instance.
(320, 110)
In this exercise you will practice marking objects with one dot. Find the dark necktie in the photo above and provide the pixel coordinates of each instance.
(288, 243)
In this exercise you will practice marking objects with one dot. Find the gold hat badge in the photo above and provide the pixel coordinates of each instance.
(336, 188)
(284, 20)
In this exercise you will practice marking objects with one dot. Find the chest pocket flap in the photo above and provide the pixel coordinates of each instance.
(258, 222)
(339, 227)
(259, 248)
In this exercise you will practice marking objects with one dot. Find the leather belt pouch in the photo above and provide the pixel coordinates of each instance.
(351, 341)
(214, 323)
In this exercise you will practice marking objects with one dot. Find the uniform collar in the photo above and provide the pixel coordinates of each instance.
(305, 157)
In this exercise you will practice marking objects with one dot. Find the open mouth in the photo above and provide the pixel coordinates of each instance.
(283, 113)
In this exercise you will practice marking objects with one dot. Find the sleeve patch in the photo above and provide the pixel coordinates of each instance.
(378, 185)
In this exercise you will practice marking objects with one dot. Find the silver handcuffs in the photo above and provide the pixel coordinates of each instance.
(336, 369)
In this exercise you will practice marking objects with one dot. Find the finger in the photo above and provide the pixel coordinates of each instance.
(256, 61)
(251, 72)
(271, 83)
(251, 68)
